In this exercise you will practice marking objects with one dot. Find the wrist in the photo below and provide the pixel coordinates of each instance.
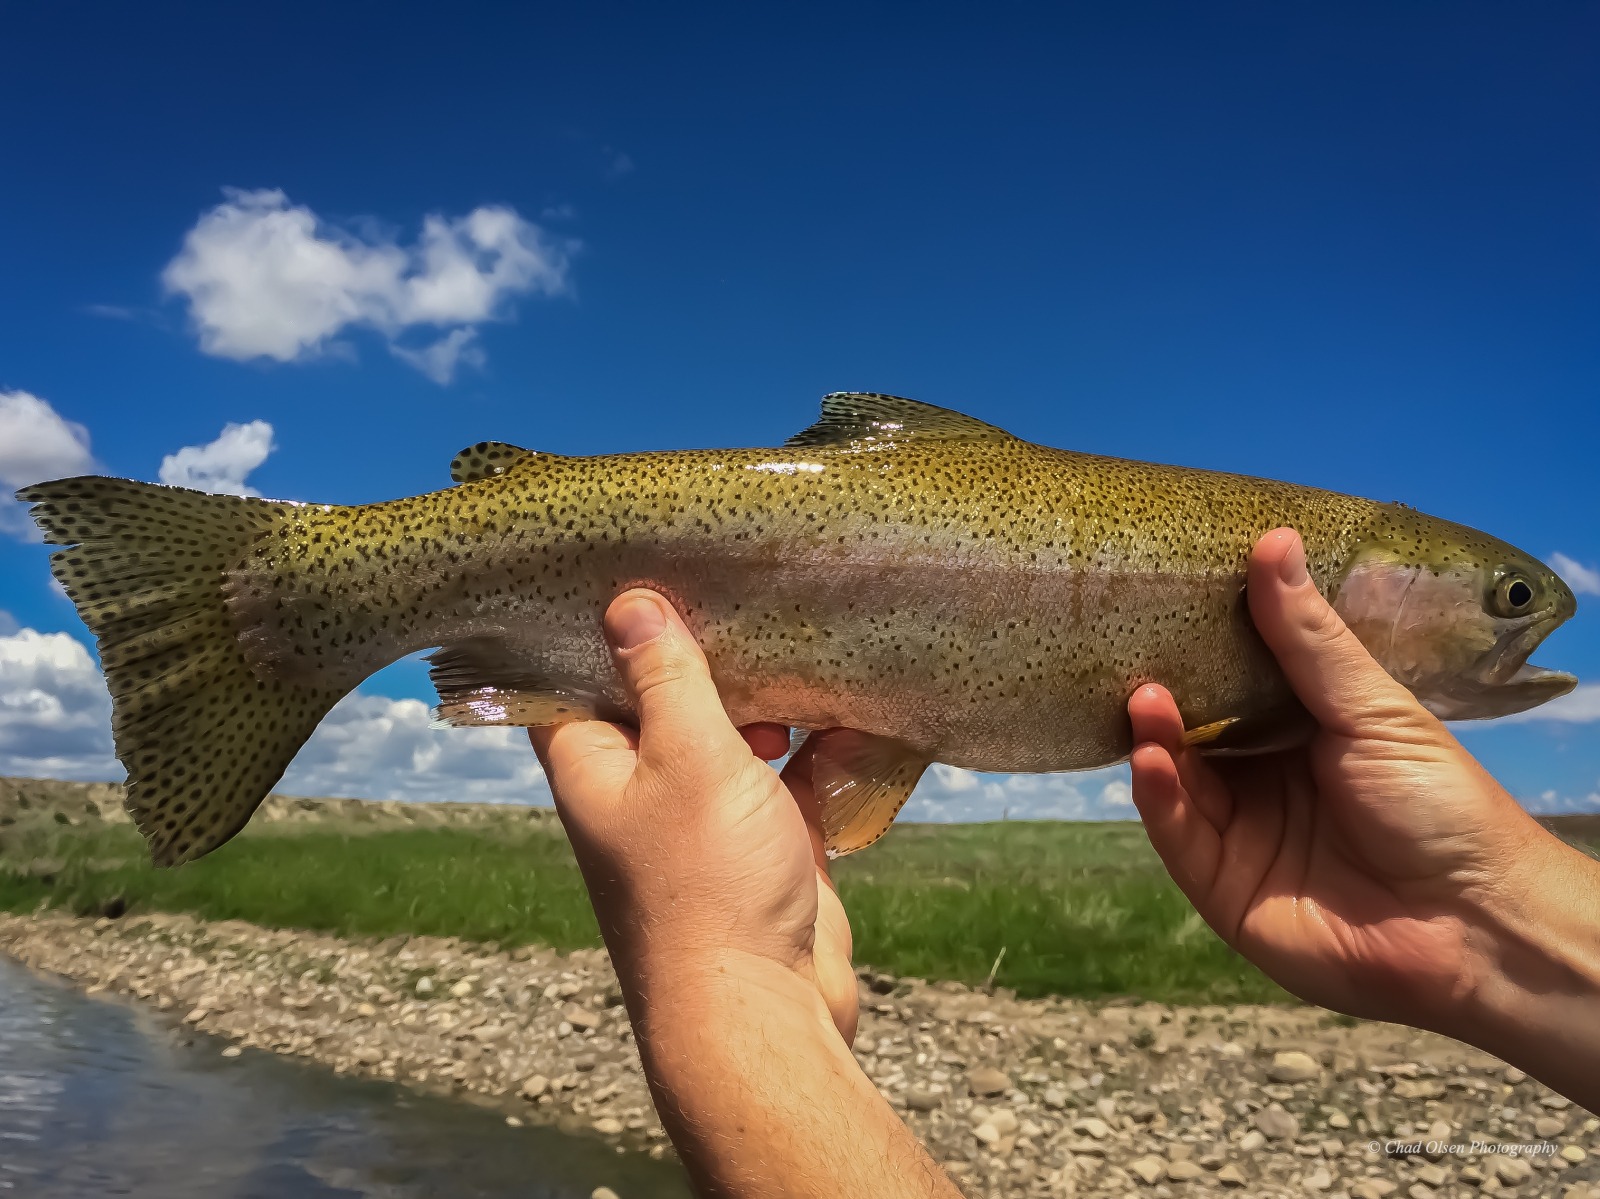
(1532, 951)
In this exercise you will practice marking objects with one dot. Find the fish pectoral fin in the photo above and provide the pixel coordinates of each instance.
(853, 417)
(1208, 732)
(491, 681)
(1284, 726)
(861, 782)
(486, 460)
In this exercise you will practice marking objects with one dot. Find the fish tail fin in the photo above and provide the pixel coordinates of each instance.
(203, 736)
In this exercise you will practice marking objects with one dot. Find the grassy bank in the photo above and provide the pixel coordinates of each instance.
(1079, 909)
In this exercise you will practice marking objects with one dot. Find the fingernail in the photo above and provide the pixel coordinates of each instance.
(633, 623)
(1292, 568)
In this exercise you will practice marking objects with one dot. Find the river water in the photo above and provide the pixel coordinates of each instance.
(98, 1098)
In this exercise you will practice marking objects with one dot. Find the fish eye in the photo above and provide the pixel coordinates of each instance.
(1513, 595)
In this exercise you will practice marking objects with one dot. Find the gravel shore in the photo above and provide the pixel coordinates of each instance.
(1016, 1098)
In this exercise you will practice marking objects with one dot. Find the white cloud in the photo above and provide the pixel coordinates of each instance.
(1584, 580)
(373, 747)
(1581, 705)
(1553, 803)
(55, 714)
(267, 279)
(221, 465)
(948, 793)
(439, 360)
(36, 444)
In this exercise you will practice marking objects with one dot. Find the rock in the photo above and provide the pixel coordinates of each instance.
(1511, 1170)
(1277, 1124)
(1418, 1190)
(581, 1017)
(423, 987)
(1368, 1188)
(1337, 1119)
(603, 1193)
(1546, 1127)
(232, 1051)
(1092, 1126)
(1573, 1154)
(585, 1064)
(921, 1099)
(1148, 1170)
(534, 1086)
(608, 1126)
(1318, 1180)
(461, 990)
(987, 1133)
(1252, 1141)
(1231, 1176)
(986, 1080)
(1004, 1119)
(1434, 1176)
(1054, 1098)
(1556, 1103)
(1182, 1170)
(1294, 1066)
(1513, 1076)
(195, 1016)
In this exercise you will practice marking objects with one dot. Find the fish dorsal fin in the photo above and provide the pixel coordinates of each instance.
(854, 417)
(485, 460)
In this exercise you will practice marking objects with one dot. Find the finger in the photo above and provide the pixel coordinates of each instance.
(595, 751)
(796, 777)
(1155, 718)
(681, 718)
(769, 742)
(1335, 677)
(1187, 844)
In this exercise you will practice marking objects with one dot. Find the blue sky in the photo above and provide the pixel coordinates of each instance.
(1356, 246)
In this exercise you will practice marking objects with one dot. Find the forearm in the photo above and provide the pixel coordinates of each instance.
(760, 1094)
(1535, 995)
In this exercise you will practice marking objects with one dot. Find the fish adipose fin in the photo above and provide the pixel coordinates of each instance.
(484, 681)
(486, 460)
(861, 782)
(861, 417)
(203, 738)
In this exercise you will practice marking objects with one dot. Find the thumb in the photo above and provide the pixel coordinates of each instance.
(680, 713)
(1331, 672)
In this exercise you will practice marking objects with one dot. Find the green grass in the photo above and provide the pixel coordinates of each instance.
(1079, 909)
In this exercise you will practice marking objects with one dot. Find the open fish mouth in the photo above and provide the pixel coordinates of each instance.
(1507, 683)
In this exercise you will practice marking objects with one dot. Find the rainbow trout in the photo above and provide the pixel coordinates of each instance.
(940, 588)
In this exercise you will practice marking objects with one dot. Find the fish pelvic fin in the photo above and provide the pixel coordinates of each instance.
(202, 737)
(861, 781)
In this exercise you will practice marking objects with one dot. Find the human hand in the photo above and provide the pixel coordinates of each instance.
(1378, 869)
(701, 860)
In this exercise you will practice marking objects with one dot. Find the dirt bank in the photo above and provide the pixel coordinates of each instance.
(1045, 1097)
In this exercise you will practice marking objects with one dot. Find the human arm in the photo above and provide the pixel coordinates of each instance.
(732, 949)
(1379, 870)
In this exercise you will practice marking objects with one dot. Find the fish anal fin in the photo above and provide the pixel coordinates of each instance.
(523, 709)
(497, 681)
(486, 460)
(861, 781)
(862, 417)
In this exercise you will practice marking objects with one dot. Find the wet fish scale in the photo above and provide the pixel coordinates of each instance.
(949, 592)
